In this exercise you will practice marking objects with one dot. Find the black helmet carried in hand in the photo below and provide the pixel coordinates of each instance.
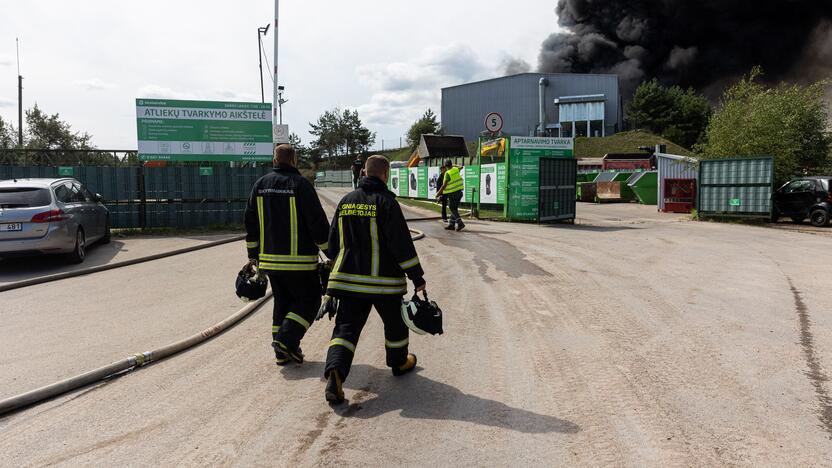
(249, 285)
(422, 316)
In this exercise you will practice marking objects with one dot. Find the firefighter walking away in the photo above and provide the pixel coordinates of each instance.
(286, 227)
(373, 252)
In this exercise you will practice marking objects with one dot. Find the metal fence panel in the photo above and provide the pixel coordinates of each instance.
(557, 189)
(176, 197)
(736, 187)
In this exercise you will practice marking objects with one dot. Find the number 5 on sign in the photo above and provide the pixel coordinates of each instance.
(493, 122)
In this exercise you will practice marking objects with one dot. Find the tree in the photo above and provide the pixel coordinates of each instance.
(788, 122)
(340, 133)
(50, 132)
(8, 136)
(676, 114)
(426, 125)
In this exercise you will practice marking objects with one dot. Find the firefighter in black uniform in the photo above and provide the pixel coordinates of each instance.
(357, 170)
(285, 228)
(373, 252)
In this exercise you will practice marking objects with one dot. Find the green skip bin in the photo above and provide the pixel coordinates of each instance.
(646, 187)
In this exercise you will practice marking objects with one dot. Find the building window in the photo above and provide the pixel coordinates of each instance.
(566, 129)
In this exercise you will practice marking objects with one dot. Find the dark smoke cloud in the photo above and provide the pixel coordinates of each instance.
(699, 43)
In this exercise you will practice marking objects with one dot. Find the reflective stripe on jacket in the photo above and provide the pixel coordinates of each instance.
(371, 245)
(285, 223)
(454, 181)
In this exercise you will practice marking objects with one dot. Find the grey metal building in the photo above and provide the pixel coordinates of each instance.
(546, 104)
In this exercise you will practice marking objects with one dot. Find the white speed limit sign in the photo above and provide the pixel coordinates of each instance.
(494, 122)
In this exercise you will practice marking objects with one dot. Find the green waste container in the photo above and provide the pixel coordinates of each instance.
(645, 185)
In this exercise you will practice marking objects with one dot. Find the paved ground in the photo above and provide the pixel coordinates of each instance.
(119, 249)
(629, 338)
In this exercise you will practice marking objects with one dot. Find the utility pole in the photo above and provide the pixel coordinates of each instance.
(261, 31)
(276, 100)
(19, 98)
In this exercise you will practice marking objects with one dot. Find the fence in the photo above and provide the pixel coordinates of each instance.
(333, 178)
(140, 197)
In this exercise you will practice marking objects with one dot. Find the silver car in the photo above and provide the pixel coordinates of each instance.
(50, 216)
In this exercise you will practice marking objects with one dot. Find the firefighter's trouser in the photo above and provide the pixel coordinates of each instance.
(351, 317)
(453, 201)
(444, 199)
(297, 297)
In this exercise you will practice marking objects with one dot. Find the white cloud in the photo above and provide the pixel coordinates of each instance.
(6, 102)
(163, 92)
(95, 84)
(6, 60)
(402, 91)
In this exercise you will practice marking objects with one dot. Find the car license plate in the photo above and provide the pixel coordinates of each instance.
(8, 227)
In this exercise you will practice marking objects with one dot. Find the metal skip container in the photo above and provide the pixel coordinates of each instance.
(644, 185)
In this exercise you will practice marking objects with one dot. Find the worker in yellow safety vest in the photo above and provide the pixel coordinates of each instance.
(452, 188)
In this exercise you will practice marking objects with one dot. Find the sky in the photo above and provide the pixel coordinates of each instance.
(88, 60)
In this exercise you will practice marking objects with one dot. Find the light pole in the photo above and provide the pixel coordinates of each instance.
(261, 32)
(280, 102)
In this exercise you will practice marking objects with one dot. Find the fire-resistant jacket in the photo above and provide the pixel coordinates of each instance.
(285, 223)
(371, 244)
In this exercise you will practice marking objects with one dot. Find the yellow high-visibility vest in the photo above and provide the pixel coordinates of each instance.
(454, 180)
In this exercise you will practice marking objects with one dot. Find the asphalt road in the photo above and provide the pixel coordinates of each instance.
(629, 338)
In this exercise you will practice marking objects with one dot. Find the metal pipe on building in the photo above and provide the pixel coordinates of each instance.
(541, 126)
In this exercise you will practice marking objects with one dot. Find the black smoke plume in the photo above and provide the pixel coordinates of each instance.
(705, 44)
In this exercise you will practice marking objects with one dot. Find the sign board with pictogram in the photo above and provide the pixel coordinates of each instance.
(175, 130)
(281, 134)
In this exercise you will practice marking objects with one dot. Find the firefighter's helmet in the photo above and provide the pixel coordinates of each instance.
(422, 315)
(250, 285)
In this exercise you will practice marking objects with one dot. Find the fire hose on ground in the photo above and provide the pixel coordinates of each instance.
(135, 361)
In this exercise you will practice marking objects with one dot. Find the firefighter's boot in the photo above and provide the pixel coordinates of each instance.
(408, 366)
(334, 392)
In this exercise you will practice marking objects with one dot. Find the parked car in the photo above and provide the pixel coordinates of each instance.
(807, 197)
(50, 216)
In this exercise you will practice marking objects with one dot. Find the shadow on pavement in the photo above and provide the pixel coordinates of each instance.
(418, 397)
(23, 268)
(589, 227)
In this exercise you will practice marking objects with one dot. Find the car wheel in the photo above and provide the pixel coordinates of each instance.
(820, 218)
(107, 237)
(78, 255)
(797, 220)
(775, 215)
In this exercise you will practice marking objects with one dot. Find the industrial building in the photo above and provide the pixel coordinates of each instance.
(536, 104)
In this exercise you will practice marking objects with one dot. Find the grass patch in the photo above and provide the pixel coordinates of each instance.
(623, 142)
(165, 231)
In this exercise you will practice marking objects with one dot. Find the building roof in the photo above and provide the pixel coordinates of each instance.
(627, 156)
(442, 146)
(533, 74)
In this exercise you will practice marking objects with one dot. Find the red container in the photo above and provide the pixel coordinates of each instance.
(679, 195)
(629, 161)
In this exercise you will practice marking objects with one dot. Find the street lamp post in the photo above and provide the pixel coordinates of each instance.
(261, 32)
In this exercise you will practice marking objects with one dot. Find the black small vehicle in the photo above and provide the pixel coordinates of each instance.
(806, 197)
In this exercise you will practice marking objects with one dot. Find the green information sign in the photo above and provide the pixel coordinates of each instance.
(471, 183)
(524, 172)
(735, 202)
(206, 171)
(66, 171)
(404, 175)
(172, 130)
(422, 175)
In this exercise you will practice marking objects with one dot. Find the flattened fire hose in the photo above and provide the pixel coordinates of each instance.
(135, 361)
